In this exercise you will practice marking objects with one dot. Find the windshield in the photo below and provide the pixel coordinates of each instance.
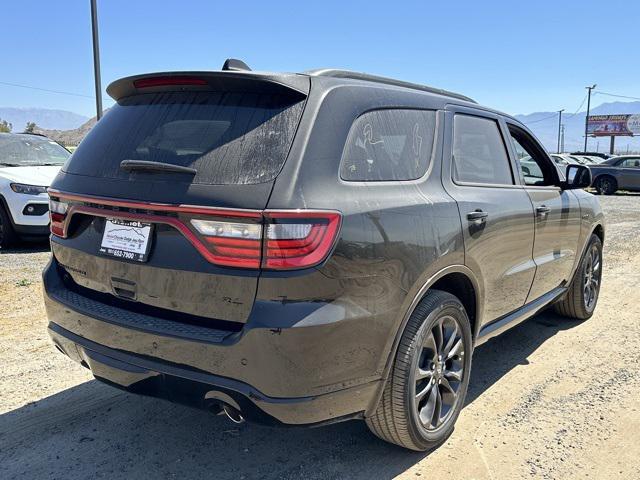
(226, 137)
(30, 151)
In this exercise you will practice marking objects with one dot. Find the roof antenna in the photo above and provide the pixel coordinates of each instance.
(235, 65)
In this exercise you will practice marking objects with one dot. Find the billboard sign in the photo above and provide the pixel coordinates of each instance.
(613, 125)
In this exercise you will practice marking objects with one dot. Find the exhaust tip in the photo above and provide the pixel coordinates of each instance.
(233, 414)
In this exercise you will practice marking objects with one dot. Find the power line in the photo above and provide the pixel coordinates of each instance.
(615, 95)
(46, 90)
(541, 119)
(579, 107)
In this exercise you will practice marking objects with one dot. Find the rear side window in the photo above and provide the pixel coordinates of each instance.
(392, 144)
(479, 153)
(228, 137)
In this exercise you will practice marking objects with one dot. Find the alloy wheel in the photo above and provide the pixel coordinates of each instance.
(439, 373)
(592, 274)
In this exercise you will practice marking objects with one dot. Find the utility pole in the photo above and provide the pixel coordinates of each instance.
(586, 120)
(562, 137)
(96, 58)
(559, 126)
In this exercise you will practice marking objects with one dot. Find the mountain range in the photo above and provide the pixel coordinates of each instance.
(43, 117)
(69, 128)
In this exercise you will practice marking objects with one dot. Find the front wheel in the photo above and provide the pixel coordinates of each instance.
(428, 382)
(582, 296)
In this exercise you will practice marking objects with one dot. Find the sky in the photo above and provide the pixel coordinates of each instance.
(518, 57)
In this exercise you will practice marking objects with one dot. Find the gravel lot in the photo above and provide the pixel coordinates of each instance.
(549, 399)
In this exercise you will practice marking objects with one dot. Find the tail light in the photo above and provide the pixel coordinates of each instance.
(58, 213)
(298, 239)
(231, 243)
(269, 239)
(283, 241)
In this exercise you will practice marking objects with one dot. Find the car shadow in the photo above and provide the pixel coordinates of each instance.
(93, 430)
(30, 246)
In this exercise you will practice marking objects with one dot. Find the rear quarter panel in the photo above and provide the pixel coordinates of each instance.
(394, 237)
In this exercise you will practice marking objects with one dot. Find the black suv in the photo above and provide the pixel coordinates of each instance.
(309, 248)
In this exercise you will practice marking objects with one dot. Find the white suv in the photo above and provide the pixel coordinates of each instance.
(28, 164)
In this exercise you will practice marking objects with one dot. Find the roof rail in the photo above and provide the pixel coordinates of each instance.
(330, 72)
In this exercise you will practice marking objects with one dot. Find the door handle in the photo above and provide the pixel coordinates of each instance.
(477, 216)
(542, 210)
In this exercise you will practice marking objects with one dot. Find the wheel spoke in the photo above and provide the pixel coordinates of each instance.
(450, 341)
(420, 395)
(453, 374)
(438, 335)
(447, 386)
(456, 350)
(422, 373)
(438, 410)
(427, 412)
(430, 344)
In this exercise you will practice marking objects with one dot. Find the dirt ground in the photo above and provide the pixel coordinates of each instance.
(551, 399)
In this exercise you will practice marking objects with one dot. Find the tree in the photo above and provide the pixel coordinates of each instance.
(5, 127)
(30, 128)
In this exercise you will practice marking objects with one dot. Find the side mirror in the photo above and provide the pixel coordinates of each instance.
(578, 176)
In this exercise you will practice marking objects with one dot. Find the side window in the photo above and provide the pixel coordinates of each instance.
(389, 144)
(535, 166)
(631, 163)
(479, 153)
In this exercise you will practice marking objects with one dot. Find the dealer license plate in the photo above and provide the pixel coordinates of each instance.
(125, 239)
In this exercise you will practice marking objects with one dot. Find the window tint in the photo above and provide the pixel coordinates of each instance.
(479, 154)
(535, 167)
(228, 137)
(389, 145)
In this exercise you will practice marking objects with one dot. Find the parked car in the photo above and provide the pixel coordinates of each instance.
(28, 164)
(617, 173)
(309, 248)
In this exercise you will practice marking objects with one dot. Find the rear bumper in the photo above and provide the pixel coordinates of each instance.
(264, 372)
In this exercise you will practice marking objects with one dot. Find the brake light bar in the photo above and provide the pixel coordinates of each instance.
(268, 239)
(167, 81)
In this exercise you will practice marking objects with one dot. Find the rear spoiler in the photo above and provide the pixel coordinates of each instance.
(227, 81)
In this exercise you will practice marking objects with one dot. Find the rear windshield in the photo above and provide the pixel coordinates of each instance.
(229, 138)
(30, 150)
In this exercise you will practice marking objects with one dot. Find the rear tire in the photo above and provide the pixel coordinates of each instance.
(7, 234)
(582, 297)
(427, 385)
(606, 185)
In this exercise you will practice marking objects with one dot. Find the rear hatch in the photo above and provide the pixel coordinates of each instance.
(161, 203)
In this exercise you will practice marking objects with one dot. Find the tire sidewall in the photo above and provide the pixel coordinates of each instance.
(419, 434)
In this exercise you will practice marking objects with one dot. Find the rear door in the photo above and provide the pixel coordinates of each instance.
(496, 213)
(557, 213)
(176, 173)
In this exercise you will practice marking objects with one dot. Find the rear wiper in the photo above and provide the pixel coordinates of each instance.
(148, 166)
(5, 164)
